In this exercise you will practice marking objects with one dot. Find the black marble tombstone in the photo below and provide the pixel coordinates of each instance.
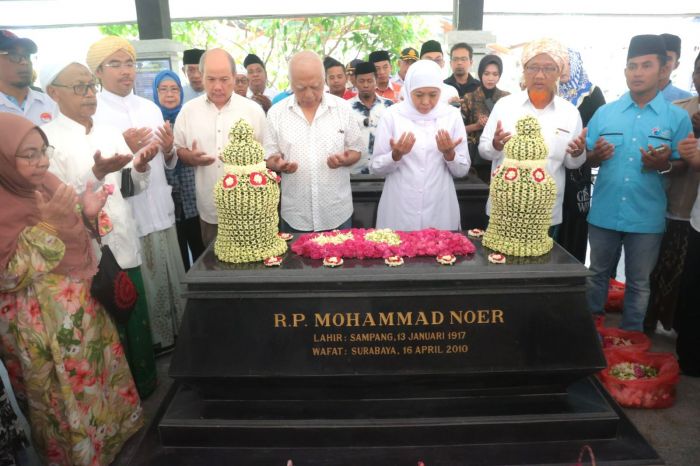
(364, 364)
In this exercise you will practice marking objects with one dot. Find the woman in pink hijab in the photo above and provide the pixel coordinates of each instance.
(60, 347)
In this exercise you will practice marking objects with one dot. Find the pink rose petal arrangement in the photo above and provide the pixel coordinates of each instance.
(360, 243)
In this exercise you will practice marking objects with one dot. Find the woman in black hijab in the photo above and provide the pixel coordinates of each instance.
(477, 107)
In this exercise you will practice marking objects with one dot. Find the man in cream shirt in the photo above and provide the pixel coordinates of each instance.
(202, 127)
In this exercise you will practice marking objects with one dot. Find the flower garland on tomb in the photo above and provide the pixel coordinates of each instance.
(362, 243)
(246, 199)
(522, 195)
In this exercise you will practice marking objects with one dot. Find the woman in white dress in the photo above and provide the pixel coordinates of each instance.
(420, 145)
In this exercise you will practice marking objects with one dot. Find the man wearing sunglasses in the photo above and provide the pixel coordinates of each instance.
(15, 78)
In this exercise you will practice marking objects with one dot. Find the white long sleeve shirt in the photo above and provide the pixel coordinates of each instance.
(419, 190)
(153, 208)
(315, 197)
(200, 120)
(560, 123)
(72, 162)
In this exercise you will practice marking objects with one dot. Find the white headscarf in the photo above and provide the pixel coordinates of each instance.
(423, 73)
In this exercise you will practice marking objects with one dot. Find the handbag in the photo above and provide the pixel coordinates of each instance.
(113, 288)
(127, 188)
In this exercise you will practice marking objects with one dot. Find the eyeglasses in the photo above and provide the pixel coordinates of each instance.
(546, 70)
(119, 64)
(80, 89)
(35, 156)
(15, 57)
(169, 90)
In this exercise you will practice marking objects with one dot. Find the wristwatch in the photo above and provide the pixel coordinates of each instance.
(667, 171)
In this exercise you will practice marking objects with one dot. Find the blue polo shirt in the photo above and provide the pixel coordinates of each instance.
(627, 197)
(671, 93)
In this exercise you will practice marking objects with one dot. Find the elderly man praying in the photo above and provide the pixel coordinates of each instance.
(543, 62)
(313, 139)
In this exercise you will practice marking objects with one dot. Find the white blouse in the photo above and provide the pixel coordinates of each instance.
(419, 190)
(72, 162)
(153, 208)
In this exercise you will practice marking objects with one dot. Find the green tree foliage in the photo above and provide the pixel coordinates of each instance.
(275, 40)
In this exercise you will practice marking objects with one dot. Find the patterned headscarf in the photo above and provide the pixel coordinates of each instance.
(578, 85)
(551, 47)
(105, 47)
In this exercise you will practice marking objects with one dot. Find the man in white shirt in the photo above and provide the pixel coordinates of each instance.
(313, 138)
(202, 131)
(85, 151)
(15, 78)
(560, 120)
(91, 152)
(113, 60)
(190, 66)
(240, 83)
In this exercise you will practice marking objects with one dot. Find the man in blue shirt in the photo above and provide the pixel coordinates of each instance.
(634, 141)
(673, 52)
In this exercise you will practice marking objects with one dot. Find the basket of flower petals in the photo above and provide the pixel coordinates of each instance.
(641, 380)
(615, 338)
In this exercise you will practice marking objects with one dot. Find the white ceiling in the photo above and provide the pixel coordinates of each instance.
(42, 13)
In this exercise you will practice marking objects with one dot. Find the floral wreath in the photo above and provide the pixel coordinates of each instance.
(360, 243)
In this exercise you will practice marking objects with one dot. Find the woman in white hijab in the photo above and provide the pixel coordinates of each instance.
(420, 145)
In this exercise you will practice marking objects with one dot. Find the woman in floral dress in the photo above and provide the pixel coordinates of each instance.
(60, 347)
